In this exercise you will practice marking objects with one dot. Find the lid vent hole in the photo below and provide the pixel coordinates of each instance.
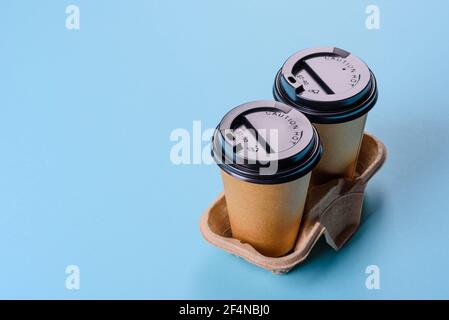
(299, 90)
(292, 79)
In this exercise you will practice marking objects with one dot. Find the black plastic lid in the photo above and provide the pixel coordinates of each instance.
(266, 142)
(329, 85)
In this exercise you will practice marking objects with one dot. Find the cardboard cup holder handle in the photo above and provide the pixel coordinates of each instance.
(333, 209)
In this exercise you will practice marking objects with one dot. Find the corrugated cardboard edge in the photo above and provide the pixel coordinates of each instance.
(320, 222)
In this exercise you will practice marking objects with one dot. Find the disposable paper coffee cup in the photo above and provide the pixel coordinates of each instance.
(266, 151)
(335, 90)
(342, 144)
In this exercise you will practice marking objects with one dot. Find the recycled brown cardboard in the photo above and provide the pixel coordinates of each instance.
(341, 143)
(332, 209)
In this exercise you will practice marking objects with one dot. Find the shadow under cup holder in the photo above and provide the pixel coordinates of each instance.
(333, 209)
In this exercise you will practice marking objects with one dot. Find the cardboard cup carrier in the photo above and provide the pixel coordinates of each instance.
(335, 90)
(266, 151)
(332, 210)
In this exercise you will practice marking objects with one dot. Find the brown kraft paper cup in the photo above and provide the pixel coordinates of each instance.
(265, 210)
(341, 144)
(335, 90)
(267, 216)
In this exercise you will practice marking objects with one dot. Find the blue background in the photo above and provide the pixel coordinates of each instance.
(85, 120)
